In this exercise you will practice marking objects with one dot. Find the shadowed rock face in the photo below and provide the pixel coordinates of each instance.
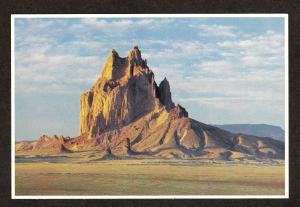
(125, 114)
(165, 94)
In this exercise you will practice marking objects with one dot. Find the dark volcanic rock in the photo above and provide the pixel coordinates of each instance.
(165, 94)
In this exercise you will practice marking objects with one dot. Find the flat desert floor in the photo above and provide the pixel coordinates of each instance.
(148, 177)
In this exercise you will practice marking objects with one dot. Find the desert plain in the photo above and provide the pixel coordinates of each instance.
(59, 175)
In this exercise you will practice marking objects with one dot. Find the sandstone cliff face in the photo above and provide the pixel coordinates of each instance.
(125, 91)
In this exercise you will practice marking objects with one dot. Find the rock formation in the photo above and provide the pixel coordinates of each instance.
(125, 114)
(164, 94)
(45, 144)
(125, 91)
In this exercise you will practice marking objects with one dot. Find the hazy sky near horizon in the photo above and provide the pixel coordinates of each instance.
(222, 70)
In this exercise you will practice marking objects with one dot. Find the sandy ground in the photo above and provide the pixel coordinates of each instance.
(148, 177)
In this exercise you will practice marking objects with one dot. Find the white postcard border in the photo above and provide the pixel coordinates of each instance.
(15, 16)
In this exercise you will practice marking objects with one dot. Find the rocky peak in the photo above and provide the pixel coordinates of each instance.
(125, 92)
(114, 67)
(134, 59)
(164, 94)
(135, 56)
(179, 112)
(121, 69)
(114, 54)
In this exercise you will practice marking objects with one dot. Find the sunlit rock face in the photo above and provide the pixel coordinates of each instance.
(125, 91)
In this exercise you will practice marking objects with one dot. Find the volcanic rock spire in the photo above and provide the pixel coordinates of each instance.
(125, 91)
(165, 94)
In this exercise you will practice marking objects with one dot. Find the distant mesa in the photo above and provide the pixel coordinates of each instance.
(125, 114)
(261, 130)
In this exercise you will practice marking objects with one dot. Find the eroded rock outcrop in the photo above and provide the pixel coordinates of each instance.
(125, 91)
(45, 145)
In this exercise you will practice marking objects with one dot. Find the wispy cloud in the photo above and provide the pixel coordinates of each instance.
(115, 27)
(55, 73)
(108, 26)
(215, 30)
(262, 50)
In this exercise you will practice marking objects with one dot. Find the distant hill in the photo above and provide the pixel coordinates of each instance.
(261, 130)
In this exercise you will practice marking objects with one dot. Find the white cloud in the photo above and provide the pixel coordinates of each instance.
(216, 68)
(55, 73)
(263, 50)
(215, 30)
(114, 27)
(106, 25)
(174, 51)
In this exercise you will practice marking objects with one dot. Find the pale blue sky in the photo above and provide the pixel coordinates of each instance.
(222, 70)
